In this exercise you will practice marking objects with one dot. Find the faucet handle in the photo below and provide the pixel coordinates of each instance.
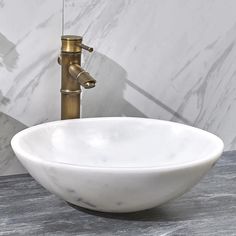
(73, 43)
(85, 47)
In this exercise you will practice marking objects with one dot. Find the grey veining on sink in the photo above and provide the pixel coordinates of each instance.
(209, 209)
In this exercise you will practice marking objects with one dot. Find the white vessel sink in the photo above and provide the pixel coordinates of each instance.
(116, 164)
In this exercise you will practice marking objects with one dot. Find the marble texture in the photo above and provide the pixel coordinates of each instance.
(29, 75)
(8, 163)
(29, 48)
(209, 209)
(120, 164)
(173, 60)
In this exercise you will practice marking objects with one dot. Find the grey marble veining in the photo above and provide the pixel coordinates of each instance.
(172, 60)
(29, 46)
(208, 209)
(29, 74)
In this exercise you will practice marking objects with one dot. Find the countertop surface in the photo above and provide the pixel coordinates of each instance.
(209, 208)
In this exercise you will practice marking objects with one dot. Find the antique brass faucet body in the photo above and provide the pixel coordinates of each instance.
(73, 76)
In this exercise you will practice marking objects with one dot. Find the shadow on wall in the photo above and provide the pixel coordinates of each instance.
(107, 98)
(8, 54)
(3, 100)
(8, 162)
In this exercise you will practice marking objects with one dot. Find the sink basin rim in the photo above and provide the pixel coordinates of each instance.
(164, 167)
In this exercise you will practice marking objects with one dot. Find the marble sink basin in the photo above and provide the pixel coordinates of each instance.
(116, 164)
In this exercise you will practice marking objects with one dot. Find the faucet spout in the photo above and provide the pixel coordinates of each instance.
(82, 76)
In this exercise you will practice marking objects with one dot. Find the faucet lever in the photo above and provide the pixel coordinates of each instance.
(85, 47)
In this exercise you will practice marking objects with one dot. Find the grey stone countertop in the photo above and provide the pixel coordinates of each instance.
(209, 208)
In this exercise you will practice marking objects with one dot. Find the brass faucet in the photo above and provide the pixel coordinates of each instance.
(73, 76)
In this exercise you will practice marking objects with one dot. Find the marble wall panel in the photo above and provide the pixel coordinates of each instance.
(165, 59)
(173, 60)
(29, 75)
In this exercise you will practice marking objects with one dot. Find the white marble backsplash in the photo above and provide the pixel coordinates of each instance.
(30, 43)
(173, 60)
(29, 75)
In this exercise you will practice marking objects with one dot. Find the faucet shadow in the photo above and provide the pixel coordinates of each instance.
(108, 97)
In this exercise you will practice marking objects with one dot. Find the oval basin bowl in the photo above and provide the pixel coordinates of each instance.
(116, 164)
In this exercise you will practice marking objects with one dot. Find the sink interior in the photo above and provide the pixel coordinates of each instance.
(118, 143)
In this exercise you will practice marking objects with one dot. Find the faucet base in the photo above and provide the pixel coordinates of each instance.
(70, 104)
